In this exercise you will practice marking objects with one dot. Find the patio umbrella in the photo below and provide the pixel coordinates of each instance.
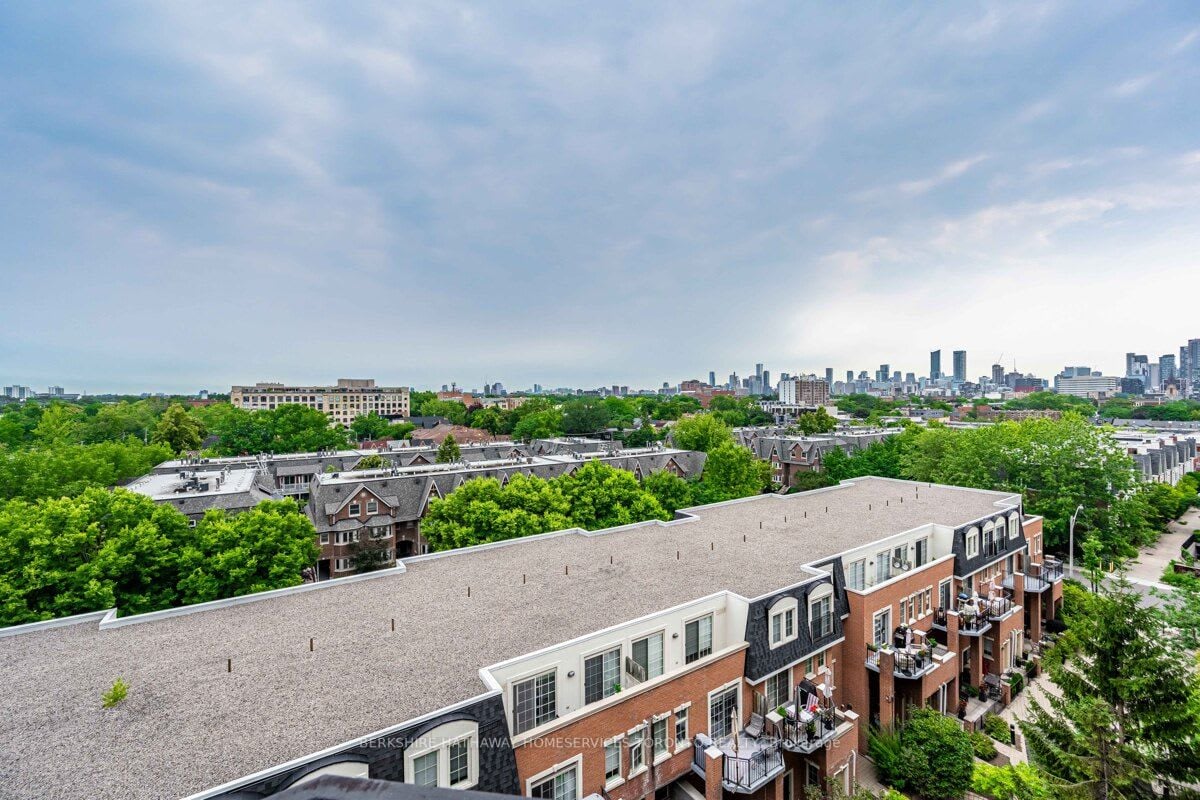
(733, 716)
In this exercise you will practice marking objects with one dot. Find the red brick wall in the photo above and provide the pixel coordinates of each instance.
(588, 734)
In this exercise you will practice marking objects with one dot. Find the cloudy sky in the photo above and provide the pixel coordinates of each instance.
(195, 195)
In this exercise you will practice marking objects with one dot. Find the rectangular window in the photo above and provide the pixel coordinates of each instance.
(342, 565)
(821, 614)
(922, 552)
(460, 762)
(776, 689)
(372, 507)
(721, 712)
(882, 627)
(658, 736)
(697, 636)
(612, 761)
(883, 566)
(601, 675)
(944, 594)
(648, 653)
(556, 787)
(534, 702)
(324, 538)
(354, 509)
(425, 769)
(972, 545)
(856, 574)
(637, 750)
(681, 727)
(783, 625)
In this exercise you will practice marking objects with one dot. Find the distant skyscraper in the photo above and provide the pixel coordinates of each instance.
(1193, 365)
(998, 374)
(829, 376)
(935, 365)
(758, 370)
(849, 376)
(960, 365)
(765, 386)
(910, 377)
(885, 371)
(712, 378)
(1166, 367)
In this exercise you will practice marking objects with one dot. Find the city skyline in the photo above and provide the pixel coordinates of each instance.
(472, 193)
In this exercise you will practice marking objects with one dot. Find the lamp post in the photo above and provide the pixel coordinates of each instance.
(1071, 543)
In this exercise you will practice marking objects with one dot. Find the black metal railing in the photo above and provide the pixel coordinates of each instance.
(808, 736)
(939, 617)
(970, 621)
(748, 772)
(911, 662)
(998, 607)
(1051, 571)
(821, 626)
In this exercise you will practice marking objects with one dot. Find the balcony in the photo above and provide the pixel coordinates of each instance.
(910, 662)
(971, 622)
(1039, 577)
(999, 607)
(807, 733)
(748, 763)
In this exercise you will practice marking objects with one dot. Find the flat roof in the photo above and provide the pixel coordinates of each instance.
(189, 725)
(169, 486)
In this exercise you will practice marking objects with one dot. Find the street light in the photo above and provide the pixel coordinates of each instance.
(1071, 544)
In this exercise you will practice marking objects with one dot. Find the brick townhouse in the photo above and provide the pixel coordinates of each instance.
(736, 652)
(790, 455)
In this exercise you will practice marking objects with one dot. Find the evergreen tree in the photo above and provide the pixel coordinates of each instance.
(1129, 705)
(448, 450)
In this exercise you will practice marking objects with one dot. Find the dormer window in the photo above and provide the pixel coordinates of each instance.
(972, 542)
(783, 621)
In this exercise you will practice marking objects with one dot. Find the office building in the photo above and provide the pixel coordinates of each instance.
(960, 365)
(998, 374)
(935, 365)
(679, 660)
(350, 398)
(829, 376)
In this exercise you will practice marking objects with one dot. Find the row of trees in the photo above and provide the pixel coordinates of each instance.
(1057, 465)
(1124, 408)
(597, 495)
(102, 549)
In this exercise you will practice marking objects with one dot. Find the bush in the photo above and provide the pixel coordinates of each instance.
(931, 756)
(1017, 682)
(981, 743)
(116, 694)
(997, 728)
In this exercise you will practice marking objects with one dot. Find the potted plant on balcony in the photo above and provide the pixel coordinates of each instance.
(828, 718)
(810, 728)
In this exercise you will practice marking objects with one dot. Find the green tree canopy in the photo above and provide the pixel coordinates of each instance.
(702, 432)
(448, 451)
(178, 430)
(731, 471)
(586, 415)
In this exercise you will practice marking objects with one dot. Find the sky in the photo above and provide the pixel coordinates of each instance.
(198, 194)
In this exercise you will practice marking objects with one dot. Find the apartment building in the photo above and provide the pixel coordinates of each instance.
(369, 503)
(1159, 456)
(804, 391)
(349, 398)
(735, 652)
(791, 455)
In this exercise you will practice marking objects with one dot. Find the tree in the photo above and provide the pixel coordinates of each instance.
(300, 429)
(602, 496)
(671, 491)
(702, 432)
(369, 426)
(264, 548)
(177, 429)
(60, 424)
(640, 437)
(930, 755)
(488, 419)
(451, 410)
(731, 471)
(1012, 782)
(68, 470)
(587, 415)
(539, 425)
(814, 422)
(1128, 707)
(448, 451)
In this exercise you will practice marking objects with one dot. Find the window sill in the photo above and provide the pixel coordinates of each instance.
(664, 757)
(640, 770)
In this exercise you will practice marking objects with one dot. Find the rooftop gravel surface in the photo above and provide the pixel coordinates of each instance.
(189, 725)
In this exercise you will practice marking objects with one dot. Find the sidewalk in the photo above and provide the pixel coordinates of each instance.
(1151, 561)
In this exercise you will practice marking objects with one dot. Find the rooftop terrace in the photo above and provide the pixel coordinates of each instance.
(189, 725)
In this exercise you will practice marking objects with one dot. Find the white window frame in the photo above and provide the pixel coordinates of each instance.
(683, 715)
(737, 684)
(343, 564)
(784, 612)
(607, 689)
(354, 509)
(972, 542)
(512, 693)
(668, 737)
(637, 751)
(440, 740)
(887, 629)
(773, 704)
(372, 507)
(820, 595)
(712, 635)
(575, 763)
(618, 742)
(662, 652)
(862, 582)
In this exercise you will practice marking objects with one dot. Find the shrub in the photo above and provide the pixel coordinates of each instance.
(892, 794)
(997, 728)
(981, 743)
(116, 694)
(1017, 682)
